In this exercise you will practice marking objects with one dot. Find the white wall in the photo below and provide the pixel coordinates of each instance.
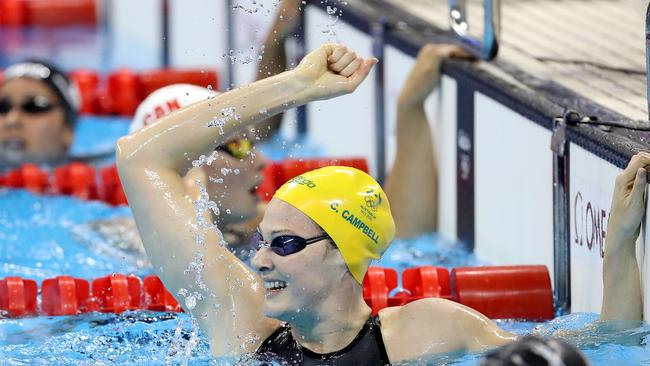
(343, 126)
(135, 40)
(443, 118)
(591, 187)
(591, 184)
(197, 33)
(513, 187)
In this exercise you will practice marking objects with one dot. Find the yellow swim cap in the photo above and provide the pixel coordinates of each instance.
(350, 206)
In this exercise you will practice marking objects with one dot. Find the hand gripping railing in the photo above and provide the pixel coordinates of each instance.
(488, 48)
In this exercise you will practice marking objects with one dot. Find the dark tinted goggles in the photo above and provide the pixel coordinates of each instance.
(35, 105)
(284, 245)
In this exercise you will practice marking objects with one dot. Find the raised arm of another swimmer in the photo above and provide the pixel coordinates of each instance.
(224, 295)
(415, 167)
(622, 296)
(274, 56)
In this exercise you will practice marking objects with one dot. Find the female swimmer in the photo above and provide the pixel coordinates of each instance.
(38, 112)
(234, 164)
(317, 238)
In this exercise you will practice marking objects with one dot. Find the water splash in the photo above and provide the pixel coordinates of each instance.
(333, 16)
(205, 160)
(256, 7)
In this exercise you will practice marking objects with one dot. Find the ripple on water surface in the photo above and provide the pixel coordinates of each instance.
(47, 236)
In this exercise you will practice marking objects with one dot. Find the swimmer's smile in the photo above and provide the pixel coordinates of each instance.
(273, 287)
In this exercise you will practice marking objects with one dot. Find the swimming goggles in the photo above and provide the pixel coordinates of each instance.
(284, 245)
(33, 105)
(237, 148)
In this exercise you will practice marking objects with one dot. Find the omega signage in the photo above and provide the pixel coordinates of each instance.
(591, 184)
(589, 224)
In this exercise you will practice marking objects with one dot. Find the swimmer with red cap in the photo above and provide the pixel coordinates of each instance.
(303, 301)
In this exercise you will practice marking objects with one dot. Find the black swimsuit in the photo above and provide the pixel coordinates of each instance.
(367, 348)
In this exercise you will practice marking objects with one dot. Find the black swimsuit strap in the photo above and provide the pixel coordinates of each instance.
(380, 339)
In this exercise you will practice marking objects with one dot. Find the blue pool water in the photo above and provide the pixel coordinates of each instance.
(46, 236)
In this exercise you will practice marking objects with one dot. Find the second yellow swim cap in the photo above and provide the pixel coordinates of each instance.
(352, 209)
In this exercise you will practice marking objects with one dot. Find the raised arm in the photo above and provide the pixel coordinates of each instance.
(223, 294)
(274, 56)
(415, 168)
(622, 296)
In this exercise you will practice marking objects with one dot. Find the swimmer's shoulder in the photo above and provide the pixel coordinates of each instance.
(434, 326)
(423, 327)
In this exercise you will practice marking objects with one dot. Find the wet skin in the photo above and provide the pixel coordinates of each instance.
(235, 192)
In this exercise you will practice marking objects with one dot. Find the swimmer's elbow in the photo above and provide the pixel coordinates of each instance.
(490, 338)
(122, 150)
(128, 152)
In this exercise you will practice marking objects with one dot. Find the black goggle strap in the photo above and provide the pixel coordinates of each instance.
(316, 238)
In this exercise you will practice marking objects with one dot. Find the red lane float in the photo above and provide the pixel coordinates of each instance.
(76, 179)
(293, 168)
(65, 295)
(502, 292)
(427, 281)
(111, 190)
(28, 176)
(48, 13)
(156, 296)
(273, 178)
(61, 12)
(82, 180)
(124, 92)
(18, 296)
(377, 285)
(88, 83)
(153, 80)
(13, 13)
(517, 292)
(121, 91)
(117, 293)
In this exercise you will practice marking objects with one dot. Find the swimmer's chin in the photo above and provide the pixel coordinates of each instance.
(275, 310)
(14, 159)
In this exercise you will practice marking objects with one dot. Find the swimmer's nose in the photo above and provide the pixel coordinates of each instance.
(262, 262)
(12, 119)
(260, 161)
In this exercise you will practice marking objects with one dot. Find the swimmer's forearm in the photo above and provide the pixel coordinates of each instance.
(181, 137)
(414, 169)
(274, 62)
(622, 297)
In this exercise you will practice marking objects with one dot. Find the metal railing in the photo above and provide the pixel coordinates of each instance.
(487, 48)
